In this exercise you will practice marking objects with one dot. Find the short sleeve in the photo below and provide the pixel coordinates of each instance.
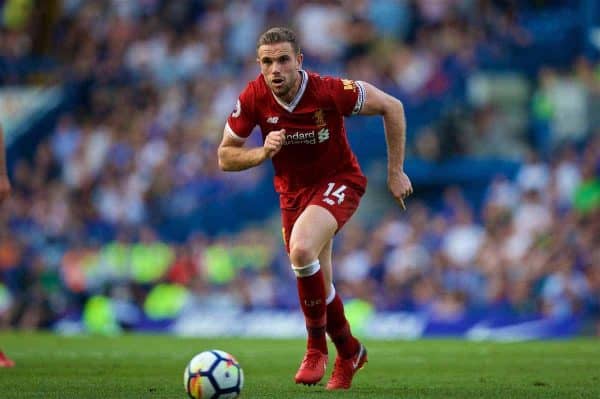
(241, 121)
(348, 96)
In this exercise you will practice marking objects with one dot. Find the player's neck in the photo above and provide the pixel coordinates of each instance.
(291, 95)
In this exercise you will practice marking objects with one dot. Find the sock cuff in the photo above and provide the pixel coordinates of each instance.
(331, 296)
(307, 270)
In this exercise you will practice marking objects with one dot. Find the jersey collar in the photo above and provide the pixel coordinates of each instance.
(291, 106)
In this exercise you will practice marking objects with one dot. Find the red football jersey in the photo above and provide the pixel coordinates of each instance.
(316, 146)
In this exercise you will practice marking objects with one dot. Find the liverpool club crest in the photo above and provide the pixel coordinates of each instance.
(319, 118)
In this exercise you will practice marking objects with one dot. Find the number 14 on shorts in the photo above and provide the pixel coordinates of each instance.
(336, 192)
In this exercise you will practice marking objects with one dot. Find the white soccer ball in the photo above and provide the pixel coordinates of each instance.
(213, 374)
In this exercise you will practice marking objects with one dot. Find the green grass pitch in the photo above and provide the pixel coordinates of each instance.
(141, 366)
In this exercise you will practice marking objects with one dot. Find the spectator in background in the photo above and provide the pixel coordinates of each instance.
(568, 97)
(4, 192)
(316, 20)
(4, 182)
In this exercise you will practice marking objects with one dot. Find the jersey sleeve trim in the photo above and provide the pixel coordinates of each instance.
(232, 134)
(360, 100)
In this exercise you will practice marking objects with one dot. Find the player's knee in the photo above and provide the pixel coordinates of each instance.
(302, 254)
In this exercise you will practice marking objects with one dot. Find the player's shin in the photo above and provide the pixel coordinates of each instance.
(311, 292)
(338, 327)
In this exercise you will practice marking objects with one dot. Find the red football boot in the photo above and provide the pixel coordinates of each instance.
(344, 369)
(312, 367)
(5, 361)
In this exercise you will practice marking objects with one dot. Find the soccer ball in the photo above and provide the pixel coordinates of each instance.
(213, 374)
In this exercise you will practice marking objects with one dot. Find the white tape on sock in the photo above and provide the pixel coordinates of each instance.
(308, 270)
(331, 295)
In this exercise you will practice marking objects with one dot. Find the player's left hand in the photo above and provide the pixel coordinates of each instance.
(400, 187)
(4, 187)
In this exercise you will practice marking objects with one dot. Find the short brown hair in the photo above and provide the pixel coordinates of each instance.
(279, 35)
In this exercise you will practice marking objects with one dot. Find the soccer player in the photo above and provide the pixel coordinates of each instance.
(318, 178)
(4, 191)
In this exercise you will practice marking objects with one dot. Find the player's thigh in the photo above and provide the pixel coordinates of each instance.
(340, 196)
(313, 229)
(308, 223)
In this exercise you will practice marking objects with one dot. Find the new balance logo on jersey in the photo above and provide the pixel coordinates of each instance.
(323, 135)
(273, 119)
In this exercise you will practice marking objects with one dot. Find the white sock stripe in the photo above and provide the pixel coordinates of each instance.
(308, 270)
(331, 295)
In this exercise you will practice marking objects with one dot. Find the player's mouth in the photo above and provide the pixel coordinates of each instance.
(277, 82)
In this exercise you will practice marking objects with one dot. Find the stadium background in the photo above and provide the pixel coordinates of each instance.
(120, 219)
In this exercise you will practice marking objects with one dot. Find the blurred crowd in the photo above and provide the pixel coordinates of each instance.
(156, 81)
(532, 251)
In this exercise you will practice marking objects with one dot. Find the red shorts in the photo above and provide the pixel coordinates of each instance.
(340, 195)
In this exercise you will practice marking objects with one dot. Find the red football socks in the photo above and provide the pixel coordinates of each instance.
(311, 291)
(339, 329)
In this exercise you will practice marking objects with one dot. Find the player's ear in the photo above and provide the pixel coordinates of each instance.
(299, 59)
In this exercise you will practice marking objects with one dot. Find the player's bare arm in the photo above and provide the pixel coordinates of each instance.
(233, 156)
(4, 183)
(378, 102)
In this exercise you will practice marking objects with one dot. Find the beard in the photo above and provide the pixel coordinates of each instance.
(283, 89)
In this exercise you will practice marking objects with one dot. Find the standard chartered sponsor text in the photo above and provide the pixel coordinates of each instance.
(306, 137)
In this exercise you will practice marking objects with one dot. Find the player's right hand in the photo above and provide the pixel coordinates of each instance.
(400, 187)
(274, 142)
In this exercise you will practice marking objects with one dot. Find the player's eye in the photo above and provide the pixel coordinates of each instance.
(267, 61)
